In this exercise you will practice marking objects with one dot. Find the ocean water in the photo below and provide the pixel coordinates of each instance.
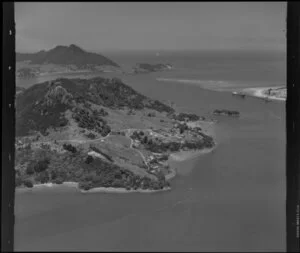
(211, 70)
(232, 199)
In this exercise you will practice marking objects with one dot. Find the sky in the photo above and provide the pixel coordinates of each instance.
(110, 26)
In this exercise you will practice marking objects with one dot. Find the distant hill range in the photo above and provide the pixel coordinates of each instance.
(65, 55)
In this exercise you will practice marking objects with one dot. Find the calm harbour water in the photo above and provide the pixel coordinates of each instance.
(230, 200)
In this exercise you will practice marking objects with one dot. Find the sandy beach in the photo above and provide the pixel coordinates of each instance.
(47, 185)
(185, 155)
(279, 93)
(122, 190)
(171, 175)
(69, 184)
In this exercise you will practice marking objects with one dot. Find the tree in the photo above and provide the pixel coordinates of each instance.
(58, 181)
(97, 180)
(43, 177)
(161, 176)
(61, 176)
(18, 181)
(28, 183)
(30, 169)
(69, 147)
(145, 139)
(85, 185)
(89, 159)
(117, 183)
(91, 136)
(88, 177)
(41, 165)
(53, 175)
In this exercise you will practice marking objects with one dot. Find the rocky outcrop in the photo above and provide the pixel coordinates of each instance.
(57, 94)
(226, 113)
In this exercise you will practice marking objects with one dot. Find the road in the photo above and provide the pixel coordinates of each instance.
(141, 154)
(73, 140)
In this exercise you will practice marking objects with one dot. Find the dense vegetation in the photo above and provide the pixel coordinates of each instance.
(39, 118)
(70, 148)
(158, 146)
(26, 73)
(43, 105)
(186, 116)
(114, 93)
(49, 166)
(91, 120)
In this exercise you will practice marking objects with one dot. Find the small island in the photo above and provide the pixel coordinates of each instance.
(147, 68)
(225, 112)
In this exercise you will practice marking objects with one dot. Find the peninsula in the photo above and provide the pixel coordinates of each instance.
(267, 93)
(100, 134)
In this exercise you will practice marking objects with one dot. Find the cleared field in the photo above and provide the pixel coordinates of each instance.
(122, 119)
(119, 140)
(119, 152)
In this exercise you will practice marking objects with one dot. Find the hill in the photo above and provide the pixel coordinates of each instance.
(40, 106)
(66, 55)
(99, 132)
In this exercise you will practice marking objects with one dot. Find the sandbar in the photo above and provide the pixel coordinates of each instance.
(261, 92)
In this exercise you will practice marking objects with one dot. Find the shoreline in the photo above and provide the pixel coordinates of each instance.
(171, 175)
(189, 154)
(259, 92)
(173, 157)
(121, 190)
(176, 157)
(92, 190)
